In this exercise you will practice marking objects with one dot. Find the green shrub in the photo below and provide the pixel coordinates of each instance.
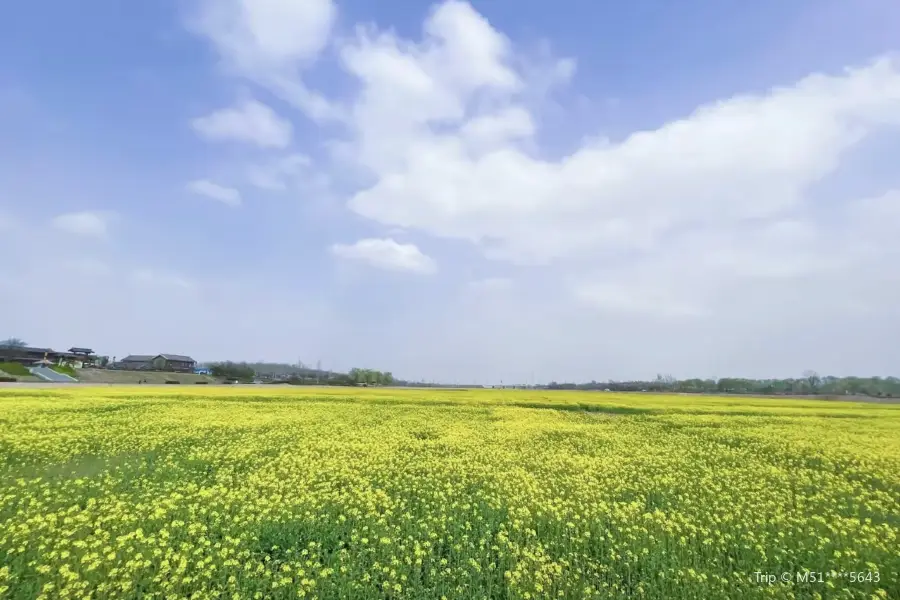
(12, 368)
(8, 379)
(64, 369)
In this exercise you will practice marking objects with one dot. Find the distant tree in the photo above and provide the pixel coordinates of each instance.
(231, 370)
(810, 383)
(360, 376)
(13, 342)
(813, 381)
(341, 379)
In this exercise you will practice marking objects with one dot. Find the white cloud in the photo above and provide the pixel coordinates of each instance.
(249, 122)
(700, 232)
(493, 132)
(724, 242)
(450, 149)
(491, 283)
(256, 34)
(387, 254)
(87, 266)
(408, 87)
(879, 216)
(225, 195)
(269, 42)
(757, 270)
(278, 174)
(634, 299)
(92, 224)
(156, 278)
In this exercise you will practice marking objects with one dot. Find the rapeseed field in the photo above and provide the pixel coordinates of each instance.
(264, 492)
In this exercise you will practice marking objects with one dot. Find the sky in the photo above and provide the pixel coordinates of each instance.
(508, 191)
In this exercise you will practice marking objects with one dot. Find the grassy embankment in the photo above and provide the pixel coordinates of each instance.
(65, 370)
(14, 369)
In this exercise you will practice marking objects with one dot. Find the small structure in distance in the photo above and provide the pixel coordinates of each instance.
(84, 356)
(178, 363)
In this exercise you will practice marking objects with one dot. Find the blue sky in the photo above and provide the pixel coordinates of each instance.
(500, 191)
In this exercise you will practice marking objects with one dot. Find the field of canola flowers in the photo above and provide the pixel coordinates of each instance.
(263, 492)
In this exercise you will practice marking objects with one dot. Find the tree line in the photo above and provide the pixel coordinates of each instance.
(246, 372)
(355, 377)
(370, 377)
(231, 370)
(811, 384)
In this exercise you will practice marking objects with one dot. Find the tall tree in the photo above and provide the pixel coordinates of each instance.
(13, 342)
(812, 380)
(357, 375)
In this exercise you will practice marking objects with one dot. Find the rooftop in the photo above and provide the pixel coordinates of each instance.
(177, 357)
(149, 357)
(25, 349)
(139, 358)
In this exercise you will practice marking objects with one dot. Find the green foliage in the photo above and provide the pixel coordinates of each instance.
(12, 368)
(370, 377)
(356, 377)
(232, 370)
(65, 370)
(810, 384)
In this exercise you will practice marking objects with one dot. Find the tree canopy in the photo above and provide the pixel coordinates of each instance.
(370, 377)
(811, 384)
(231, 370)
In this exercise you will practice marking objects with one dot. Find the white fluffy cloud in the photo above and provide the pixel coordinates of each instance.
(269, 42)
(699, 222)
(265, 34)
(387, 254)
(740, 238)
(711, 222)
(490, 284)
(800, 267)
(454, 169)
(277, 175)
(226, 195)
(145, 277)
(91, 224)
(249, 122)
